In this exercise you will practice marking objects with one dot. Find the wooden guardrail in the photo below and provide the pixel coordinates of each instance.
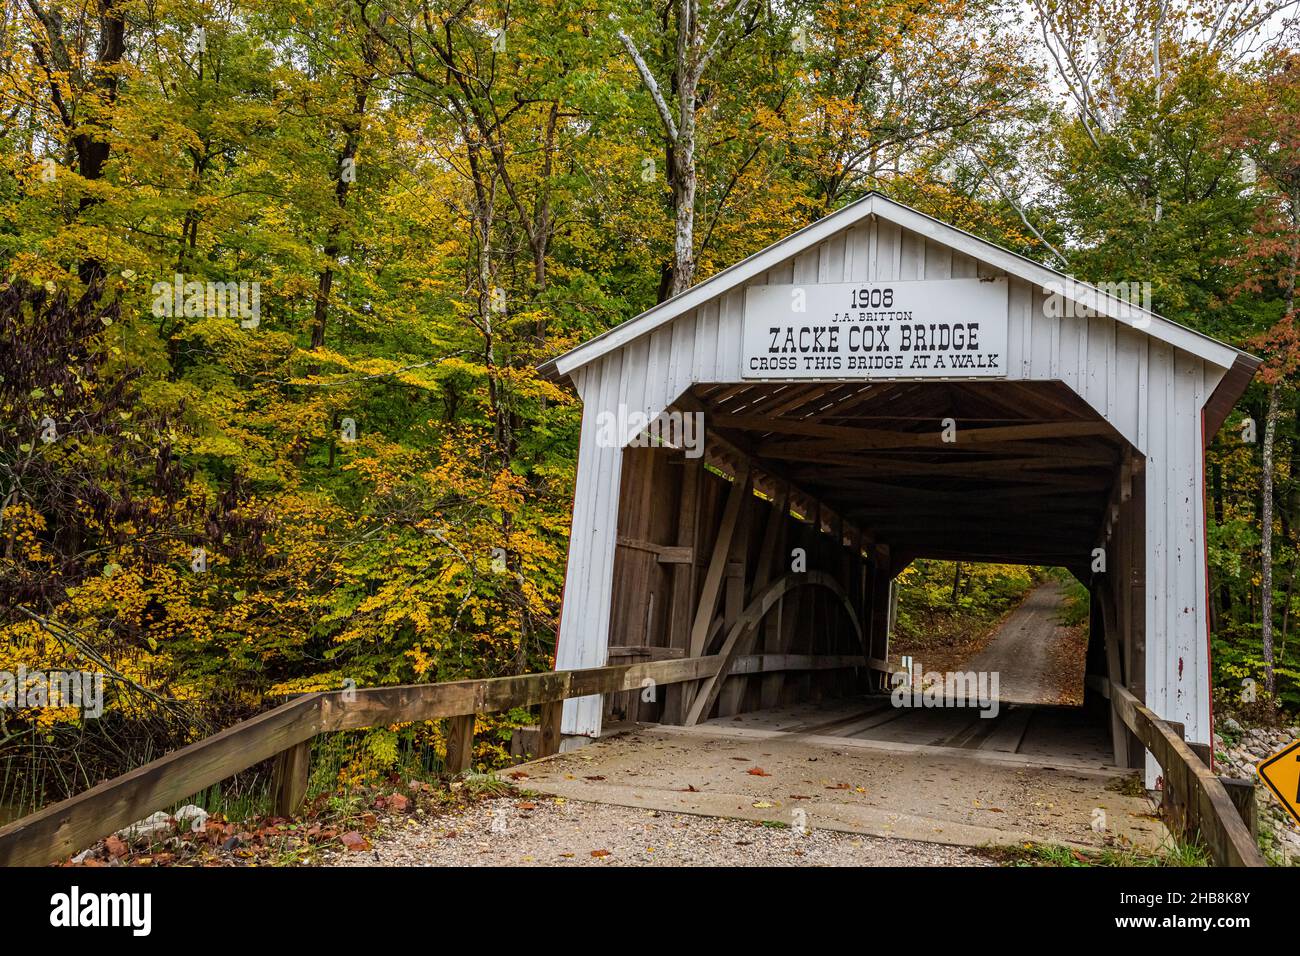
(1199, 804)
(286, 733)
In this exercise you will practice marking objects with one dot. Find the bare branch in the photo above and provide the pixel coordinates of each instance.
(1016, 206)
(648, 79)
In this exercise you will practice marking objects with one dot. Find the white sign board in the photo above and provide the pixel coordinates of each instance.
(927, 328)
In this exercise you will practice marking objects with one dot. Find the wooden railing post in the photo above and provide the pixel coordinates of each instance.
(1242, 794)
(285, 734)
(460, 743)
(1197, 802)
(550, 738)
(289, 779)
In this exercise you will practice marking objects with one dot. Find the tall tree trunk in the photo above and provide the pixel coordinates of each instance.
(684, 174)
(1266, 542)
(1225, 592)
(344, 175)
(101, 78)
(1270, 427)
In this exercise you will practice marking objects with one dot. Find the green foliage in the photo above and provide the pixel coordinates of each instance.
(1173, 853)
(1076, 609)
(943, 602)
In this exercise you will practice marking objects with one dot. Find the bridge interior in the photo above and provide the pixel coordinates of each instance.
(842, 486)
(855, 764)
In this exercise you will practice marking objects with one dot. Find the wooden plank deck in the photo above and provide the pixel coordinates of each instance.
(860, 765)
(1053, 733)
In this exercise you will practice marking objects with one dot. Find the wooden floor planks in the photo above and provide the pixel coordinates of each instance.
(1017, 729)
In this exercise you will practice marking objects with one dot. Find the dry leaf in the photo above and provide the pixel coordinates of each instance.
(354, 841)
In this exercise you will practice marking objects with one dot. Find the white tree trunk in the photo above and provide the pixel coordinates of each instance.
(1266, 542)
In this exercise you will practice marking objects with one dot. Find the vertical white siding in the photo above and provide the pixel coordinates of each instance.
(584, 618)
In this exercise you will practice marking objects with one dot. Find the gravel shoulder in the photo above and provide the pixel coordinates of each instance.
(1238, 756)
(538, 831)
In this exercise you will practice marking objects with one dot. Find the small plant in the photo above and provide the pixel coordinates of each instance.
(1076, 608)
(1174, 853)
(1129, 786)
(485, 785)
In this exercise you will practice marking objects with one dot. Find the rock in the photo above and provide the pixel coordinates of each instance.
(1231, 725)
(398, 803)
(151, 826)
(195, 818)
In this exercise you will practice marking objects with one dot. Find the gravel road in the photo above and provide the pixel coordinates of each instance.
(1022, 652)
(537, 831)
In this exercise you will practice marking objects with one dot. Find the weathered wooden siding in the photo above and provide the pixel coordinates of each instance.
(1149, 391)
(657, 485)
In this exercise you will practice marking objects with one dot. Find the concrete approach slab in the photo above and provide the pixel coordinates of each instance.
(981, 791)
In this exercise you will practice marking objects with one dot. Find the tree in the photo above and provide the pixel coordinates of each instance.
(1267, 131)
(70, 60)
(698, 38)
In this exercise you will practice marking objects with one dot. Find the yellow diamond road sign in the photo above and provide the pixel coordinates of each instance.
(1281, 772)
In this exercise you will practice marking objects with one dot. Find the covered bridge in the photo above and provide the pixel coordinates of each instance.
(763, 454)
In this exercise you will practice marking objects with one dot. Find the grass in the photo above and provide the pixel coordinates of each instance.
(232, 799)
(1075, 609)
(1173, 854)
(486, 785)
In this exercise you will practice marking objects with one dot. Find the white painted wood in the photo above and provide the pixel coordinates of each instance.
(1150, 380)
(584, 616)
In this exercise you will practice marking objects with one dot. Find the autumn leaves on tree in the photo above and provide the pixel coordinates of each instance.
(430, 199)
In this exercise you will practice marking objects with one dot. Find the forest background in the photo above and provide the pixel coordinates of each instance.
(331, 461)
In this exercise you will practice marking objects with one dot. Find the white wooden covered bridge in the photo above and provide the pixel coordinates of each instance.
(875, 388)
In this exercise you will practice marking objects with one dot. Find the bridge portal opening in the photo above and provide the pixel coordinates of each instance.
(767, 524)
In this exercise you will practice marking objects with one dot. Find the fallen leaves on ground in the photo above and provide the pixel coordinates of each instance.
(272, 841)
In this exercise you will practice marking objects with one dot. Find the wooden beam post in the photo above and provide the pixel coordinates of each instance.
(881, 576)
(708, 605)
(460, 743)
(1242, 794)
(1119, 733)
(733, 691)
(748, 620)
(550, 739)
(683, 580)
(289, 779)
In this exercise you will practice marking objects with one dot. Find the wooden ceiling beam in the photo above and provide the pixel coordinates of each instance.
(869, 438)
(951, 469)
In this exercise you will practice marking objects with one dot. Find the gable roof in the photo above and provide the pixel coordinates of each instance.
(874, 204)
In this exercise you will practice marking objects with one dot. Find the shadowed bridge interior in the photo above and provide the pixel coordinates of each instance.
(850, 482)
